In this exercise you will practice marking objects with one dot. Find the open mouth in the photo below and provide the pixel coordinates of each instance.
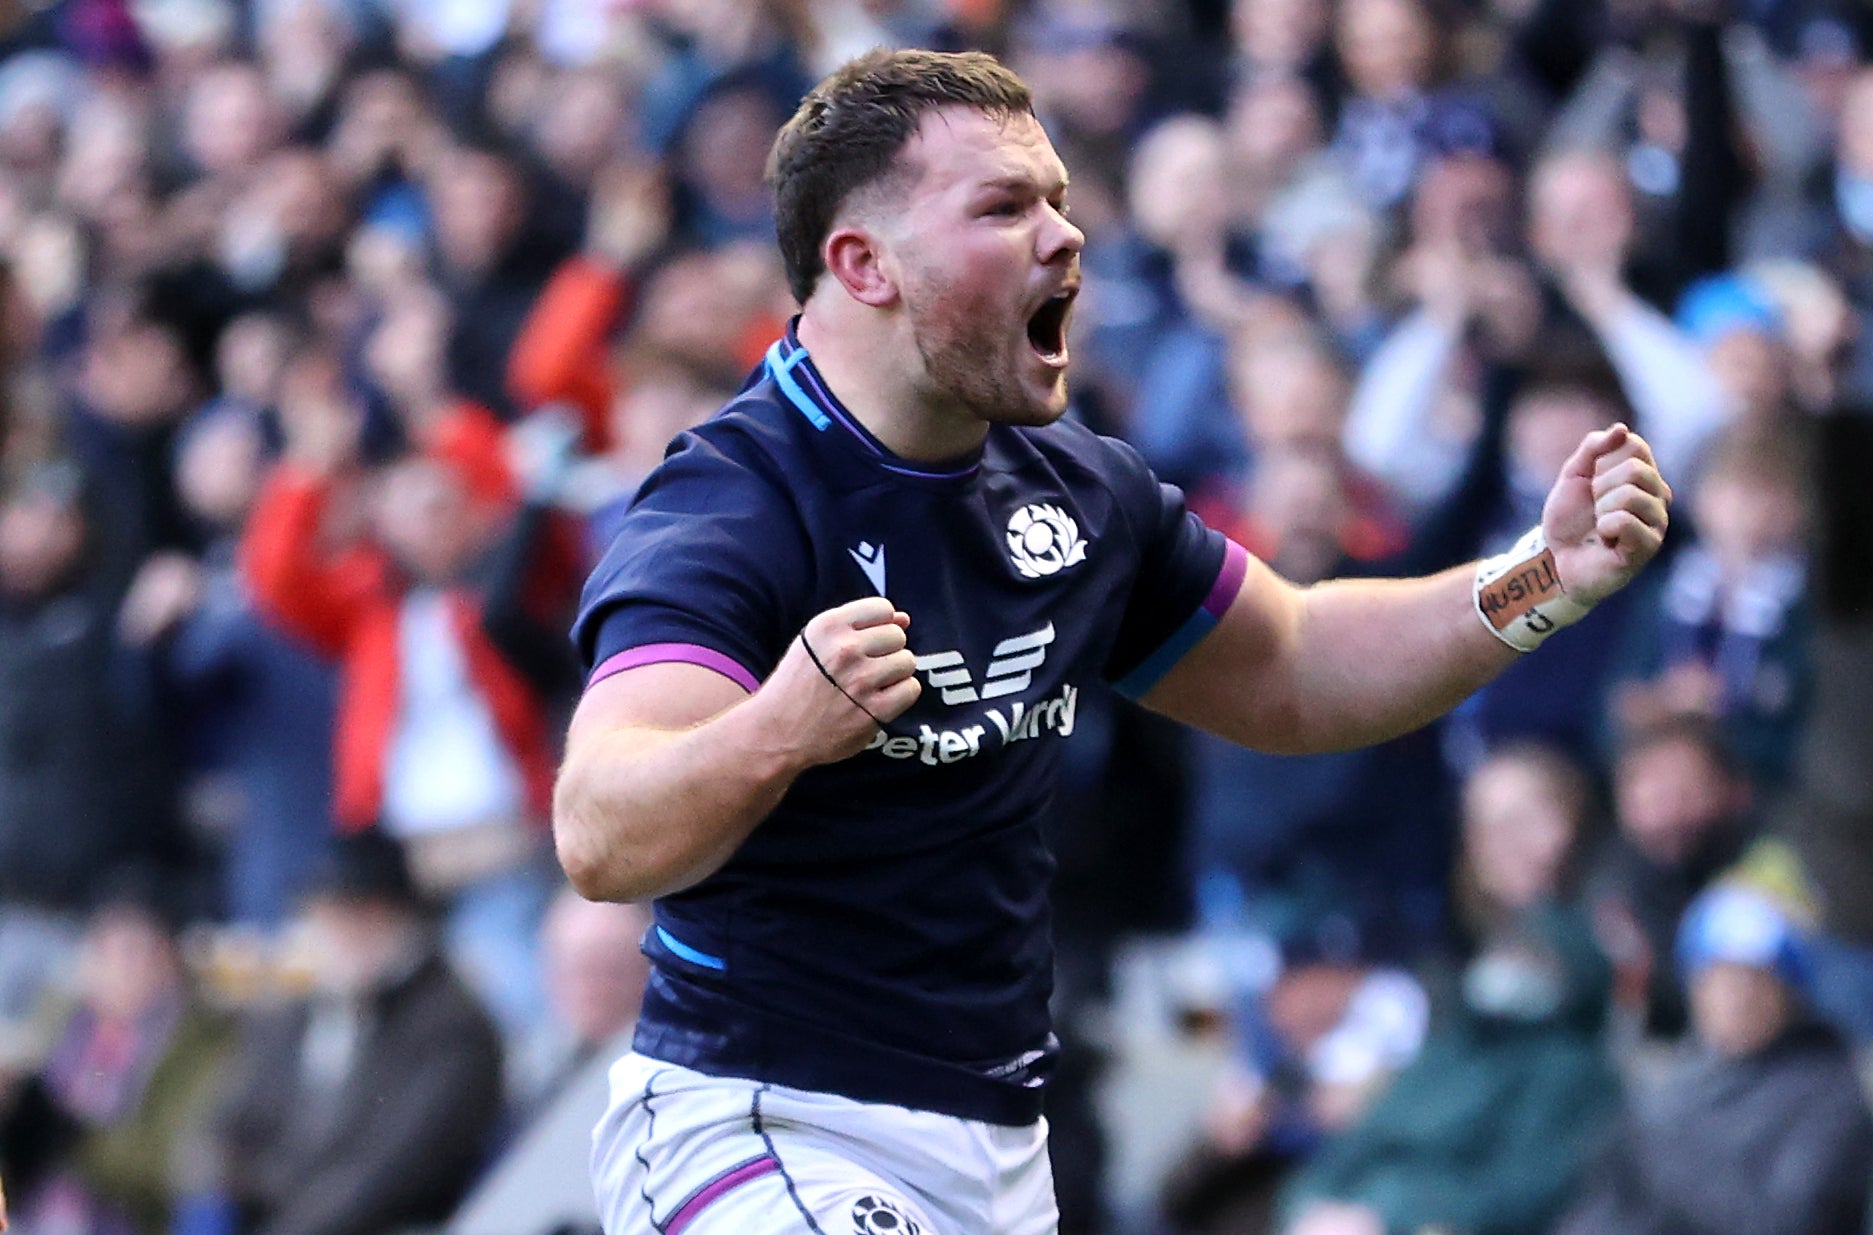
(1047, 328)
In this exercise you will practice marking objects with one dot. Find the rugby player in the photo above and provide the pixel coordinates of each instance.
(837, 647)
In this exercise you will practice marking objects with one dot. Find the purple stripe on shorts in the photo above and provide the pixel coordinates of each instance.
(718, 1188)
(680, 653)
(1228, 580)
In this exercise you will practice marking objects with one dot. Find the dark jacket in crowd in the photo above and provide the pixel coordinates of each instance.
(1753, 634)
(84, 785)
(1487, 1130)
(393, 1141)
(1775, 1143)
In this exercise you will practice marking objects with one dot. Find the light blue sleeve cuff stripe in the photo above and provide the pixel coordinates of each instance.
(688, 953)
(790, 385)
(1139, 681)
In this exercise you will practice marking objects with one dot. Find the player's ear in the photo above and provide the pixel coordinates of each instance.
(856, 259)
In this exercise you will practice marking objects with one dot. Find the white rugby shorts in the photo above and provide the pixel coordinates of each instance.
(680, 1153)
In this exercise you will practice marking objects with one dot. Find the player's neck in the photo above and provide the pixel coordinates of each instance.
(865, 369)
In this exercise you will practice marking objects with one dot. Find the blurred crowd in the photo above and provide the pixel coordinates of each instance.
(335, 333)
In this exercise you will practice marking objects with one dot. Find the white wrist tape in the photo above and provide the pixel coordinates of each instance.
(1519, 594)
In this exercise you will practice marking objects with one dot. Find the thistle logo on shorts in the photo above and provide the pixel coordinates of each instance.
(874, 1215)
(1044, 540)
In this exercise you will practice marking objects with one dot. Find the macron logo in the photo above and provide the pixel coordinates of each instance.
(1011, 668)
(870, 559)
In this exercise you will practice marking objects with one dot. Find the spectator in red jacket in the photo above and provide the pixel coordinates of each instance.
(442, 741)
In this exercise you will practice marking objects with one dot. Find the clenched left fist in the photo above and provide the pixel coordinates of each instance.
(1606, 516)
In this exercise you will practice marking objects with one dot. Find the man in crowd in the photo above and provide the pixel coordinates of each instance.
(371, 1104)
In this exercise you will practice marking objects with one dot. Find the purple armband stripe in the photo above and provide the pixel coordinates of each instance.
(1228, 581)
(675, 653)
(717, 1188)
(1200, 623)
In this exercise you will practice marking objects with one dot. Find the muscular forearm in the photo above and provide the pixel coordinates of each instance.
(641, 812)
(1305, 670)
(1375, 658)
(1299, 671)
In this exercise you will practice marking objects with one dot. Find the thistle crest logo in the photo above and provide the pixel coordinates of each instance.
(874, 1215)
(1044, 540)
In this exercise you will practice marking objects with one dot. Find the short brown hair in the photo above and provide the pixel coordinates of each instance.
(848, 132)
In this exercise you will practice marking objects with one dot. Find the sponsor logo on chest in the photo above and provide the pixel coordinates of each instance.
(1018, 723)
(1010, 670)
(1042, 540)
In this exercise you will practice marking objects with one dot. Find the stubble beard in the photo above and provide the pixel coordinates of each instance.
(967, 360)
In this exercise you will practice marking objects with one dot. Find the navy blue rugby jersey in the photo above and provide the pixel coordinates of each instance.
(884, 934)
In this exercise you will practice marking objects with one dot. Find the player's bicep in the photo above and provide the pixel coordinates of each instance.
(653, 698)
(1237, 682)
(639, 809)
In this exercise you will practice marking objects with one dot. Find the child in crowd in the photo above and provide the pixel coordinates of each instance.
(1763, 1125)
(1723, 632)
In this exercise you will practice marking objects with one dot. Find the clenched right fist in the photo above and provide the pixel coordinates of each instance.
(866, 677)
